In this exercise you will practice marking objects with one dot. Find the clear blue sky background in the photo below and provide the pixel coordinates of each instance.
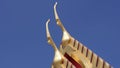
(23, 43)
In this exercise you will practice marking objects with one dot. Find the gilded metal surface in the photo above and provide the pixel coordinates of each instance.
(76, 50)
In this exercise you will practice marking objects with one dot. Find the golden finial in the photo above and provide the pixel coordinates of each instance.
(72, 54)
(66, 36)
(49, 38)
(58, 58)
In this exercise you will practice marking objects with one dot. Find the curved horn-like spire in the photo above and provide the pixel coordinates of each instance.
(66, 35)
(57, 18)
(49, 38)
(58, 56)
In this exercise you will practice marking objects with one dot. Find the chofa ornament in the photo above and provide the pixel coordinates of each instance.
(72, 54)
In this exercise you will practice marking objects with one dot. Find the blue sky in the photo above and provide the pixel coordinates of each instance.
(23, 43)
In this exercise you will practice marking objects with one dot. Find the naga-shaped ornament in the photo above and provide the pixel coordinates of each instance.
(72, 54)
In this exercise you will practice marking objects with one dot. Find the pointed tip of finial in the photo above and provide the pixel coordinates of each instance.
(47, 30)
(47, 21)
(55, 4)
